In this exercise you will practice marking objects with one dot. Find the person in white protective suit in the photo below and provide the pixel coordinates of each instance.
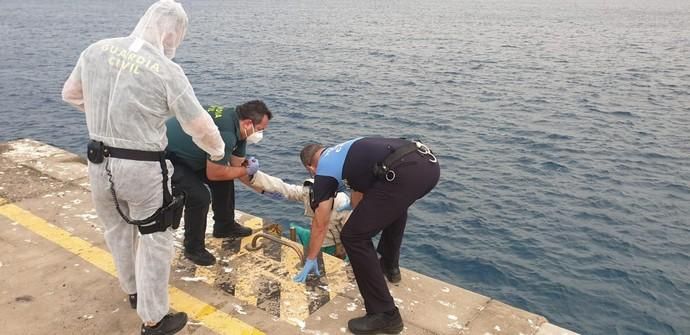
(278, 189)
(128, 87)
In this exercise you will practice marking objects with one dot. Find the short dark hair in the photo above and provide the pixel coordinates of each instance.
(253, 110)
(308, 152)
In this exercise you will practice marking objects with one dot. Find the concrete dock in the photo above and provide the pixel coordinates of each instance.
(57, 276)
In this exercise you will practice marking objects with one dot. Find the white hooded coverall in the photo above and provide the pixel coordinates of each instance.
(128, 87)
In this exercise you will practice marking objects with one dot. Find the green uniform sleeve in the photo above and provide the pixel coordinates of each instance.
(240, 150)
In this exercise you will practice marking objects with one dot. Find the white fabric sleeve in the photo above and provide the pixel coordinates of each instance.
(194, 120)
(72, 91)
(269, 183)
(205, 135)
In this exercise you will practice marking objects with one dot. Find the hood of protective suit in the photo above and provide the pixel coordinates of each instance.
(164, 26)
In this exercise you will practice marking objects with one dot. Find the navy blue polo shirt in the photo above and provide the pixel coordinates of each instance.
(351, 165)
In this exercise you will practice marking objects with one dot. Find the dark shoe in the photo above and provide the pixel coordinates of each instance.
(170, 324)
(392, 274)
(379, 323)
(200, 257)
(231, 230)
(132, 300)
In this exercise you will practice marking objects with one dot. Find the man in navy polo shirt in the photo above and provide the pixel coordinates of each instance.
(194, 170)
(386, 177)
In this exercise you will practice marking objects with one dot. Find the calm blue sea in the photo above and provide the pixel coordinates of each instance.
(562, 128)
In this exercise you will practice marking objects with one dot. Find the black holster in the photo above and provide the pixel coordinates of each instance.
(165, 217)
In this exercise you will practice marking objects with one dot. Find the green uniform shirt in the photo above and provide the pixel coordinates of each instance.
(184, 148)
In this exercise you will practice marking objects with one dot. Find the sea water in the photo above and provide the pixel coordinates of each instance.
(561, 128)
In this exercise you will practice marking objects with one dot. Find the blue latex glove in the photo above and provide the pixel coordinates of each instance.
(311, 265)
(274, 195)
(252, 165)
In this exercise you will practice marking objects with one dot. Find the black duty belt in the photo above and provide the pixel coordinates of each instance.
(136, 155)
(97, 151)
(384, 169)
(163, 216)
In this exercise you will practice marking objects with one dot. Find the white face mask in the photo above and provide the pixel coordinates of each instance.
(255, 137)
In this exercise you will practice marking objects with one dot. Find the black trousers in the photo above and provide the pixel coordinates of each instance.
(197, 199)
(384, 209)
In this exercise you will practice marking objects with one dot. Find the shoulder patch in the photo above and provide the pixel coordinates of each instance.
(216, 111)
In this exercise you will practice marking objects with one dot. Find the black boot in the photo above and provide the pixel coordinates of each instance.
(132, 300)
(233, 230)
(380, 323)
(200, 256)
(170, 324)
(391, 273)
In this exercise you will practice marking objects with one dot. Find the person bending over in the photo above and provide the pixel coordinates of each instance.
(386, 176)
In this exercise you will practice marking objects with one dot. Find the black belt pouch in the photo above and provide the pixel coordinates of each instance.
(95, 151)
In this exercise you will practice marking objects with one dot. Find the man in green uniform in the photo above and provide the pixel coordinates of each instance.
(194, 170)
